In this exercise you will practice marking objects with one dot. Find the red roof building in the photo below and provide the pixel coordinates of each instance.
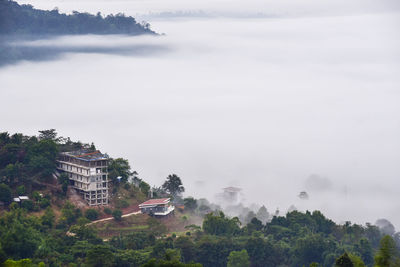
(157, 207)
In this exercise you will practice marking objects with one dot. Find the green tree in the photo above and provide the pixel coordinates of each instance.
(42, 157)
(187, 248)
(48, 218)
(27, 204)
(63, 179)
(84, 231)
(44, 203)
(20, 240)
(91, 214)
(310, 248)
(212, 251)
(258, 250)
(144, 187)
(364, 248)
(100, 256)
(20, 263)
(262, 214)
(387, 255)
(238, 259)
(69, 212)
(344, 261)
(131, 258)
(117, 214)
(166, 263)
(12, 172)
(356, 260)
(220, 225)
(172, 254)
(254, 225)
(173, 185)
(190, 203)
(107, 210)
(5, 194)
(48, 135)
(3, 255)
(80, 249)
(119, 168)
(21, 190)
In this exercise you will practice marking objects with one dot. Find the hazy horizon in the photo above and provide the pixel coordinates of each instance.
(259, 103)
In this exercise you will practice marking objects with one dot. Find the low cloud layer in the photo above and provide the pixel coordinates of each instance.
(56, 47)
(261, 104)
(226, 8)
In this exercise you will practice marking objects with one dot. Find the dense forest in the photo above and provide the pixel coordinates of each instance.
(49, 230)
(18, 19)
(23, 22)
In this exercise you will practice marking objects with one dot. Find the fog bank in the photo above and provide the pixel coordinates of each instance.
(261, 104)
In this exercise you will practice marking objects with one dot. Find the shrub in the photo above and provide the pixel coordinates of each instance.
(117, 214)
(91, 214)
(27, 204)
(36, 196)
(144, 187)
(107, 211)
(238, 259)
(122, 203)
(44, 203)
(190, 203)
(5, 194)
(127, 186)
(62, 223)
(21, 190)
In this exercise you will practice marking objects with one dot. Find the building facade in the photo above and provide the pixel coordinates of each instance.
(88, 174)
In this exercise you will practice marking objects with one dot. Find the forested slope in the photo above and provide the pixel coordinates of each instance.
(26, 20)
(49, 230)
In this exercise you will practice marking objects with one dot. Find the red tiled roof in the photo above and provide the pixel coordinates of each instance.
(157, 201)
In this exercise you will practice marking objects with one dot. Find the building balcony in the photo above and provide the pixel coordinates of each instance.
(167, 211)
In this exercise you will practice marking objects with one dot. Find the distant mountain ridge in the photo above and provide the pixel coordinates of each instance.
(18, 19)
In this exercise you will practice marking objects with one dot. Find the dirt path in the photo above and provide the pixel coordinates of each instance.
(110, 218)
(68, 233)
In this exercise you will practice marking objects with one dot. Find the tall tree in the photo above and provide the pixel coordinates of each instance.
(5, 194)
(48, 135)
(187, 248)
(100, 256)
(262, 214)
(63, 179)
(119, 168)
(220, 224)
(42, 157)
(173, 185)
(238, 259)
(190, 203)
(387, 255)
(344, 261)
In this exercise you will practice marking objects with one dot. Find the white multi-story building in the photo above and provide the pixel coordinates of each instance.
(88, 174)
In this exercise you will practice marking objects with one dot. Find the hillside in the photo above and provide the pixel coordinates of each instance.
(56, 228)
(18, 19)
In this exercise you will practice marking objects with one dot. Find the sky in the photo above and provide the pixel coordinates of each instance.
(305, 100)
